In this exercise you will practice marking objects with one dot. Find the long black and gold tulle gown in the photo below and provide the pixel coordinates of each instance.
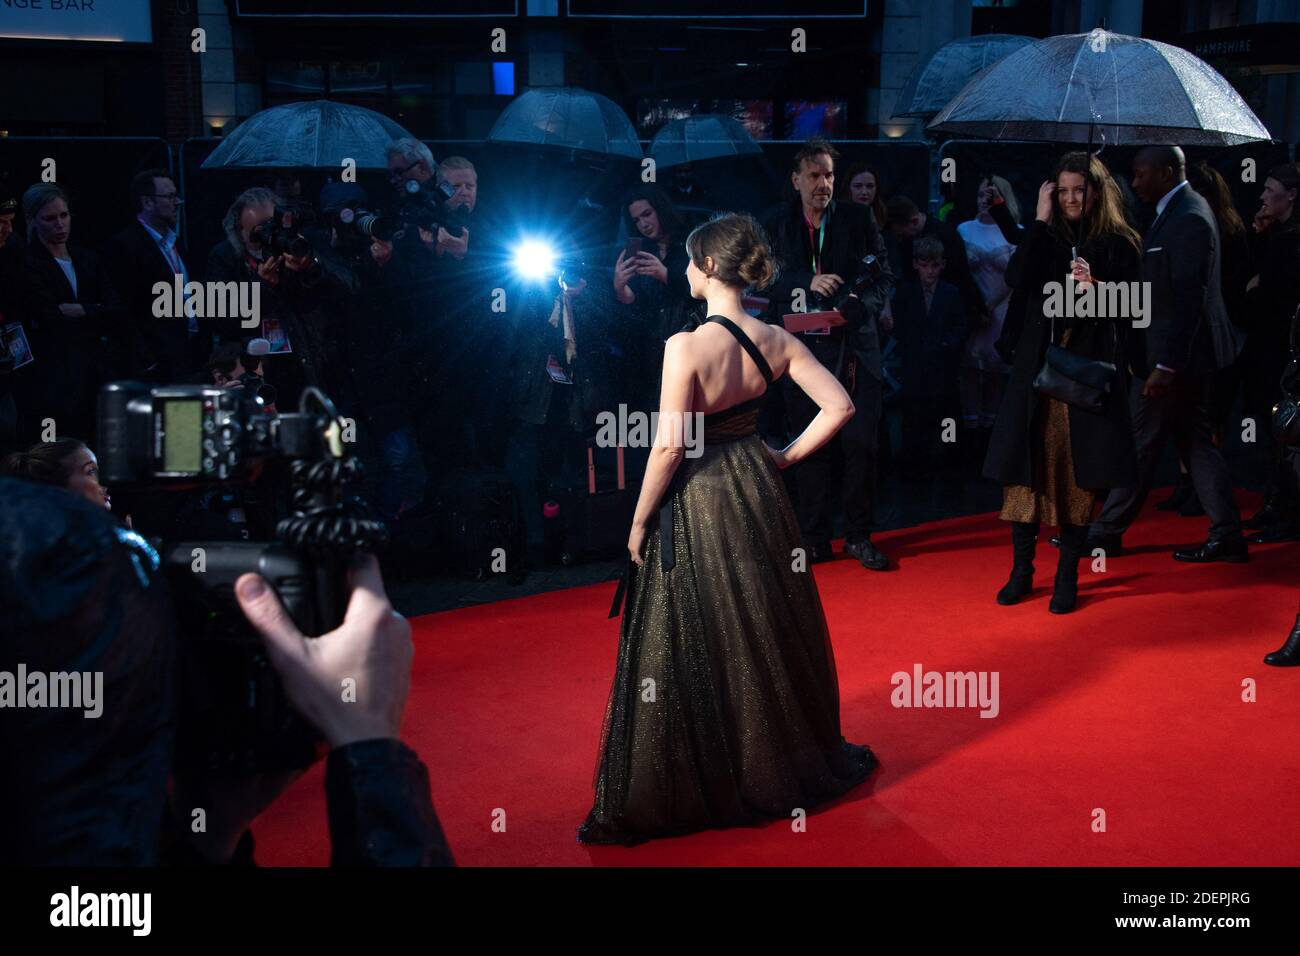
(725, 708)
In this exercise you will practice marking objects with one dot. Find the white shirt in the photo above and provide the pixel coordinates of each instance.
(66, 266)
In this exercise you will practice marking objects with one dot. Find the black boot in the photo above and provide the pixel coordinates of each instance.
(1066, 590)
(1288, 655)
(1024, 538)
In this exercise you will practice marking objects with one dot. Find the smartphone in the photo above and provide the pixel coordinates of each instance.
(634, 247)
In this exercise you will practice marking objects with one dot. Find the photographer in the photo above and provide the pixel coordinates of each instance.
(821, 246)
(301, 294)
(97, 792)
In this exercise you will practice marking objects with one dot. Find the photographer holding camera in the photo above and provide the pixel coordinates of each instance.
(300, 294)
(97, 792)
(832, 256)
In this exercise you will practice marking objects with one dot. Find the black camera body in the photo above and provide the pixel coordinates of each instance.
(848, 295)
(233, 713)
(427, 206)
(282, 234)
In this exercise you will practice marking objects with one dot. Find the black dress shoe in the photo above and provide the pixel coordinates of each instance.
(1224, 549)
(1288, 655)
(820, 553)
(1267, 515)
(867, 553)
(1282, 531)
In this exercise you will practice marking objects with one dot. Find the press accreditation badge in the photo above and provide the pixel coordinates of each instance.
(556, 371)
(14, 339)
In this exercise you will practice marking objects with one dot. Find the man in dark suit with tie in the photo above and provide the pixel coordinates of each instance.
(146, 252)
(1173, 359)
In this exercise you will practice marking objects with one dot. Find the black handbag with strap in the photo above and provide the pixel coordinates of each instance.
(1076, 379)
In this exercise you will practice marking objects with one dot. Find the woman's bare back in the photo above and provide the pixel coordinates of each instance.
(724, 373)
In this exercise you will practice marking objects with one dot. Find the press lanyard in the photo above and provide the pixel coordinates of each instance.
(821, 237)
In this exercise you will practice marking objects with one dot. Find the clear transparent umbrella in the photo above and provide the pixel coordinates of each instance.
(936, 81)
(696, 139)
(1102, 87)
(315, 135)
(567, 118)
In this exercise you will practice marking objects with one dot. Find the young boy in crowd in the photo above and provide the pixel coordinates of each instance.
(930, 326)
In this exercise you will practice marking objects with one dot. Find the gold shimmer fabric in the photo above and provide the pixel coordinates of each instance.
(1056, 498)
(725, 707)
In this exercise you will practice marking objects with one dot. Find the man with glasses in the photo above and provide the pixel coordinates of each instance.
(146, 252)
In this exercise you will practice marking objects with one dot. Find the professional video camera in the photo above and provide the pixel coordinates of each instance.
(281, 234)
(233, 713)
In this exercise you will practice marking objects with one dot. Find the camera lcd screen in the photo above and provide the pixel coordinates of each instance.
(182, 437)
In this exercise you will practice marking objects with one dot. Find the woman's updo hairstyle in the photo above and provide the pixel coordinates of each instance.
(738, 247)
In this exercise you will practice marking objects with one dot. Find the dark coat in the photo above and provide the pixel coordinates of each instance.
(1101, 444)
(1271, 305)
(165, 349)
(851, 234)
(929, 343)
(73, 356)
(1190, 331)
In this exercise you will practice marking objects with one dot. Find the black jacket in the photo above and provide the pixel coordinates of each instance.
(1189, 331)
(1271, 305)
(82, 595)
(1101, 444)
(73, 356)
(929, 342)
(165, 349)
(851, 234)
(309, 306)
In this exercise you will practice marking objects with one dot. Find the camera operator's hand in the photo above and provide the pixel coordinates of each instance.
(73, 310)
(381, 252)
(648, 264)
(571, 292)
(299, 263)
(448, 243)
(372, 647)
(269, 270)
(825, 284)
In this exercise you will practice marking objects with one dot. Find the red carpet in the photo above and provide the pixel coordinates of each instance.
(1132, 706)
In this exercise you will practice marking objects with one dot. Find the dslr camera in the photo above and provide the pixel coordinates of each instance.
(282, 234)
(846, 300)
(233, 713)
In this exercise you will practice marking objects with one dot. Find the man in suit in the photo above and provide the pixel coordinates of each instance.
(1188, 338)
(147, 252)
(820, 246)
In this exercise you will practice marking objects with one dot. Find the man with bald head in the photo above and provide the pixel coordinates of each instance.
(1188, 337)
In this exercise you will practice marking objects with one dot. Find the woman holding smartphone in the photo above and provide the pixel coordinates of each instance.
(650, 282)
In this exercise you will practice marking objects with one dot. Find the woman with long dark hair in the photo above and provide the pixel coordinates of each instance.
(1055, 459)
(650, 281)
(724, 708)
